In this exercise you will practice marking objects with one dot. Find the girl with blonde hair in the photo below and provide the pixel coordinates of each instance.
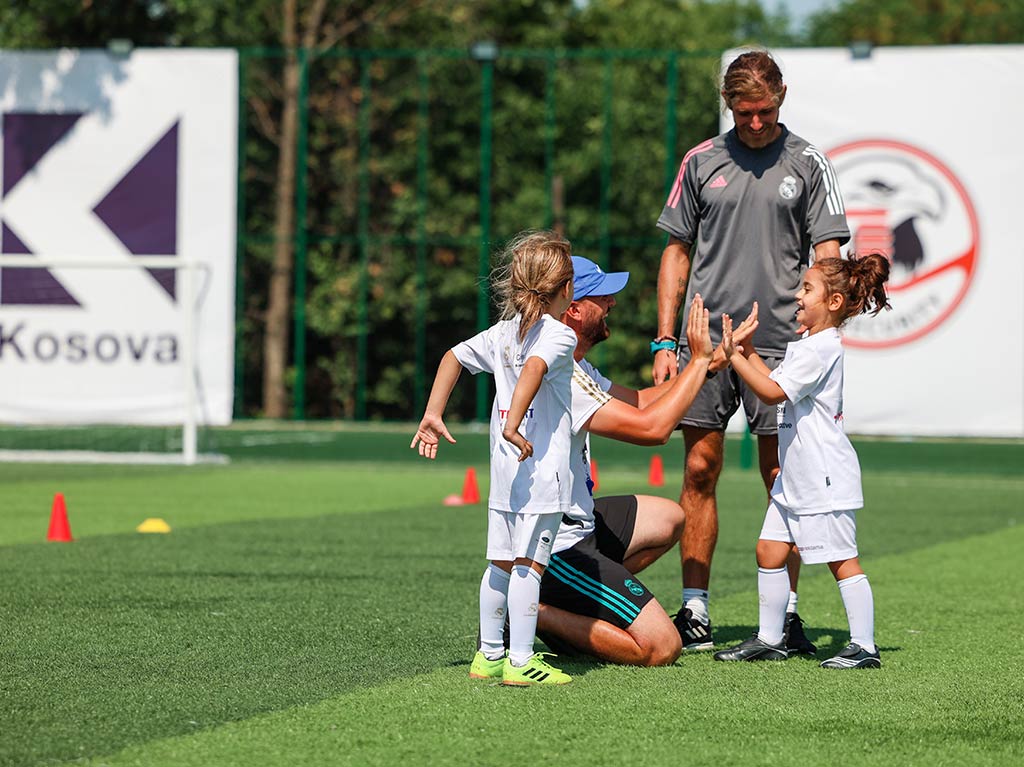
(530, 354)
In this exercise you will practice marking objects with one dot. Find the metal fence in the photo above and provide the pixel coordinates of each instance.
(594, 138)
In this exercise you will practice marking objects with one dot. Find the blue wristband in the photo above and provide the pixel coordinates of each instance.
(657, 346)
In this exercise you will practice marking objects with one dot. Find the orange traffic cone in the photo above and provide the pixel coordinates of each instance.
(656, 474)
(593, 475)
(60, 530)
(470, 492)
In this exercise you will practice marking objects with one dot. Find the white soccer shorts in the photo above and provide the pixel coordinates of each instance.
(511, 535)
(820, 538)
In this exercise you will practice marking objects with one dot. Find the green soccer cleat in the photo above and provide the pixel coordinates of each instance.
(485, 668)
(536, 671)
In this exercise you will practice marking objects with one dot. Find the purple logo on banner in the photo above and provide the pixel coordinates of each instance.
(141, 210)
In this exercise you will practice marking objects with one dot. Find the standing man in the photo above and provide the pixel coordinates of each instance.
(743, 215)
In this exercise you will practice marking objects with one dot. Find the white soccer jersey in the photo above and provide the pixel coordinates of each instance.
(589, 393)
(540, 484)
(819, 471)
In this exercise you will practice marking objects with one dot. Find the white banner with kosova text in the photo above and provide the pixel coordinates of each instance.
(110, 165)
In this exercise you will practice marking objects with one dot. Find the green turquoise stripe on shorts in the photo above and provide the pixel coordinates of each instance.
(589, 593)
(595, 584)
(593, 589)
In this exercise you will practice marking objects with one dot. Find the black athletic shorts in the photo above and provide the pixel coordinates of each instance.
(589, 579)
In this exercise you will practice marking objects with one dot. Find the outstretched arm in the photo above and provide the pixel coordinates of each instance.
(527, 386)
(432, 427)
(653, 424)
(750, 367)
(646, 397)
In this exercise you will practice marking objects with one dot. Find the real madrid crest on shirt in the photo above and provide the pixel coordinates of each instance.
(787, 189)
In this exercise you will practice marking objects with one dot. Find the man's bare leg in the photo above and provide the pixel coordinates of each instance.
(651, 640)
(768, 460)
(704, 455)
(659, 525)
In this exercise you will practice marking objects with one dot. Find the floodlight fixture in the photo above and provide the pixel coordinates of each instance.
(484, 50)
(120, 46)
(861, 49)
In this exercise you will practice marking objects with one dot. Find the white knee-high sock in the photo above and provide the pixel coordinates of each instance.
(772, 598)
(493, 604)
(860, 610)
(523, 596)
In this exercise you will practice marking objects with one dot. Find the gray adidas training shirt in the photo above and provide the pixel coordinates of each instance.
(752, 217)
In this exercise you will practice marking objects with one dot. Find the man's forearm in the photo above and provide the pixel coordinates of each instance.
(668, 409)
(652, 424)
(826, 249)
(673, 275)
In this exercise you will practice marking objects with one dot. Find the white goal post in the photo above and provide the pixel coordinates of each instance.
(180, 397)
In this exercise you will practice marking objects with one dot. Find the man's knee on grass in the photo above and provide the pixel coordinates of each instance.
(648, 642)
(656, 636)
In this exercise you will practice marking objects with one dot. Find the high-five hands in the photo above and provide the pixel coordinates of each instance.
(740, 335)
(698, 330)
(733, 339)
(728, 342)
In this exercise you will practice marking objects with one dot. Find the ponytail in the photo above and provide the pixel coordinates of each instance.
(860, 281)
(537, 266)
(870, 274)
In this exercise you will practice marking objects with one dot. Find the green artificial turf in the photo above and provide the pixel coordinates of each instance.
(928, 704)
(324, 612)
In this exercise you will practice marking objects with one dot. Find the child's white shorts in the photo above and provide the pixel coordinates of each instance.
(827, 537)
(511, 535)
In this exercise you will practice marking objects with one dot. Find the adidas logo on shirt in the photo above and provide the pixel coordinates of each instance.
(719, 182)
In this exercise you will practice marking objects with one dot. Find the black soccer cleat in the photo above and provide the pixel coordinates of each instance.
(696, 635)
(754, 649)
(853, 656)
(796, 639)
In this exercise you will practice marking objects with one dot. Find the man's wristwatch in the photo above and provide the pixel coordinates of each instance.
(664, 342)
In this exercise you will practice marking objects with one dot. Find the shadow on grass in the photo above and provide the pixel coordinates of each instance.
(727, 636)
(829, 641)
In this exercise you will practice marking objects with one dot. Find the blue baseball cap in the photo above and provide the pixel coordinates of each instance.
(590, 280)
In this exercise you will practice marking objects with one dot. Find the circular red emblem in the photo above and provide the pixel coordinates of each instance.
(905, 203)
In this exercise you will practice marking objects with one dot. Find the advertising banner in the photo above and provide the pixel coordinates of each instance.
(108, 166)
(921, 140)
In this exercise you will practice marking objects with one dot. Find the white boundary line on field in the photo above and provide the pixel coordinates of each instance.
(95, 456)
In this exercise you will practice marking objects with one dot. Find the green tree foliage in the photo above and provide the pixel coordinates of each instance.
(616, 101)
(919, 22)
(591, 117)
